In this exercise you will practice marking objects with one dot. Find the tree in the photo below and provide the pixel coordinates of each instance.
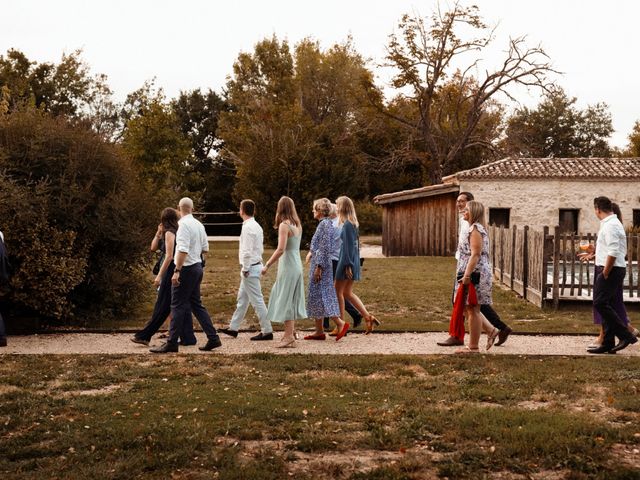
(424, 56)
(633, 149)
(213, 175)
(293, 123)
(557, 128)
(74, 217)
(63, 89)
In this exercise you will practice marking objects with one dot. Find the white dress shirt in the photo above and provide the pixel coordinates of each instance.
(463, 229)
(611, 242)
(191, 239)
(251, 240)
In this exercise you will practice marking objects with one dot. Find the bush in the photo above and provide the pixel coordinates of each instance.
(369, 217)
(75, 222)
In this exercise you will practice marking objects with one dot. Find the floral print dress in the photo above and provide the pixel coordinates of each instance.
(483, 289)
(322, 300)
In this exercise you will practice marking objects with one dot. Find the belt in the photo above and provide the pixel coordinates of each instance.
(257, 263)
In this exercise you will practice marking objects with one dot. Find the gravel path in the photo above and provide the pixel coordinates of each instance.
(355, 343)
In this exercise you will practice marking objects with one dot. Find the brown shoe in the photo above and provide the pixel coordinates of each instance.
(451, 342)
(503, 335)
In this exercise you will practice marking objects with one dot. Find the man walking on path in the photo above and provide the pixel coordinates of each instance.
(191, 241)
(611, 249)
(486, 310)
(250, 292)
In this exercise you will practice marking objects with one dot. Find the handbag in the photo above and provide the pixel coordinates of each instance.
(156, 267)
(475, 277)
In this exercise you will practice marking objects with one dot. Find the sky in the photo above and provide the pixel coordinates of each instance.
(188, 44)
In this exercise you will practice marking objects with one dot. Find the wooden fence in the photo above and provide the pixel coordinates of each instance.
(545, 268)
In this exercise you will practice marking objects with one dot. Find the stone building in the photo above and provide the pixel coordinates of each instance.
(536, 192)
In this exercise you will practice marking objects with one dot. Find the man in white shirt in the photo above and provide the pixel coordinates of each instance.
(250, 292)
(191, 241)
(486, 310)
(611, 249)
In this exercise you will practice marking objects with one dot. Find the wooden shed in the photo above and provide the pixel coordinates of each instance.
(422, 221)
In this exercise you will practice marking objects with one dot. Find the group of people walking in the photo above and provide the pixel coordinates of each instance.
(334, 256)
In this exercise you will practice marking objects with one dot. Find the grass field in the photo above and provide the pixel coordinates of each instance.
(411, 294)
(303, 417)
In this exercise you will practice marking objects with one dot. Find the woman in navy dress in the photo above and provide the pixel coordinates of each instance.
(322, 300)
(348, 269)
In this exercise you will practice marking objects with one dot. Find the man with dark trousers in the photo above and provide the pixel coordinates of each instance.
(191, 241)
(486, 310)
(611, 249)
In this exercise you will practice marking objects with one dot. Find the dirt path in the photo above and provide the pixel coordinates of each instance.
(355, 343)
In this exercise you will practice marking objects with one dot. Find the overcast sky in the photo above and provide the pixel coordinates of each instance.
(187, 44)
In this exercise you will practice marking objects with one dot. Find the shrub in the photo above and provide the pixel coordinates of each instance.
(75, 221)
(369, 217)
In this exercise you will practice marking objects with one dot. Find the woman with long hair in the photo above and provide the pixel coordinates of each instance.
(474, 267)
(286, 302)
(164, 240)
(348, 269)
(322, 300)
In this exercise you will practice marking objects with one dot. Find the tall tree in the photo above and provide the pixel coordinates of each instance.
(557, 128)
(424, 55)
(213, 175)
(293, 123)
(633, 149)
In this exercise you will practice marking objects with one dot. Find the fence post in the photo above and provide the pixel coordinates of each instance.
(513, 255)
(556, 267)
(525, 261)
(545, 256)
(502, 255)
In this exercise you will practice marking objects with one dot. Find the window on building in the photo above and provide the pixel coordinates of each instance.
(499, 217)
(636, 218)
(568, 220)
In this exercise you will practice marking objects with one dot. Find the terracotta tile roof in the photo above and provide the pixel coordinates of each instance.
(578, 168)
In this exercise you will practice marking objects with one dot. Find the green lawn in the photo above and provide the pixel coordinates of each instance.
(412, 294)
(304, 417)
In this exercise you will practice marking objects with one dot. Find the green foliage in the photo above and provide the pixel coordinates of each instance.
(557, 128)
(633, 149)
(75, 219)
(293, 124)
(369, 217)
(213, 175)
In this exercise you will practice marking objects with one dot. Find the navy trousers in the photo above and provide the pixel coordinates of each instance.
(604, 295)
(161, 311)
(185, 298)
(492, 316)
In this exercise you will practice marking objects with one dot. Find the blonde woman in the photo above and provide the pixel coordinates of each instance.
(473, 265)
(322, 300)
(286, 302)
(348, 269)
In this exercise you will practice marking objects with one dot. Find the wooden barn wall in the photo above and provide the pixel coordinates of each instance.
(425, 226)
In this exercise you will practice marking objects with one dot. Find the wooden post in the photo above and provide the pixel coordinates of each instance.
(630, 263)
(502, 255)
(556, 267)
(525, 261)
(580, 238)
(513, 255)
(545, 268)
(573, 263)
(564, 260)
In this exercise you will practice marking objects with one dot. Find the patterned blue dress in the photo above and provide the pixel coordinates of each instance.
(483, 289)
(321, 298)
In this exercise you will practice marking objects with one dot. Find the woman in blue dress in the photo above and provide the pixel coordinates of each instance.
(322, 300)
(348, 269)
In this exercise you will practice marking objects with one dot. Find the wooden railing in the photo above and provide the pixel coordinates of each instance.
(545, 268)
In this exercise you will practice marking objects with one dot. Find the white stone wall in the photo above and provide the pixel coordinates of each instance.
(536, 202)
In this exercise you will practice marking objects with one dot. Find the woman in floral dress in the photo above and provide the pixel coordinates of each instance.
(322, 300)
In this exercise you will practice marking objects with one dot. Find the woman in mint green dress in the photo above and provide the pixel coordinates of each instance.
(286, 302)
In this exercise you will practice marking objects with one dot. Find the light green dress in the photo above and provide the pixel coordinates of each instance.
(286, 301)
